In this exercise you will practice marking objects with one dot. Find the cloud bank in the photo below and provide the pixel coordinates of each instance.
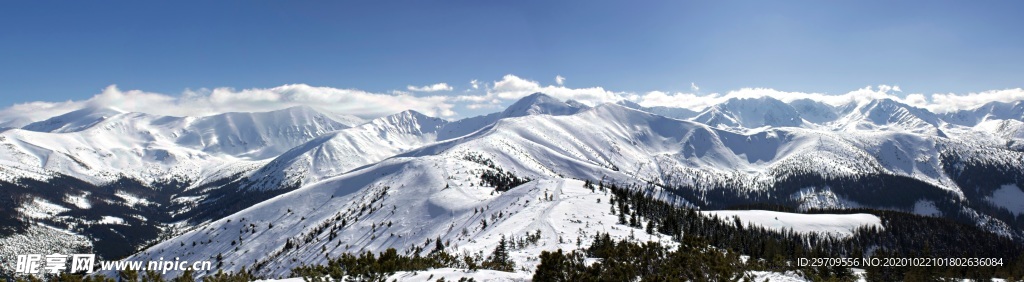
(220, 100)
(430, 88)
(483, 96)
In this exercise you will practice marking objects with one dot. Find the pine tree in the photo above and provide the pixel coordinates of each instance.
(500, 259)
(438, 246)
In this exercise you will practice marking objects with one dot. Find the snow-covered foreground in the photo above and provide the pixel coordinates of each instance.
(832, 224)
(404, 203)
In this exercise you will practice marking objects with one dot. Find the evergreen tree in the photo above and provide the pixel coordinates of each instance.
(500, 259)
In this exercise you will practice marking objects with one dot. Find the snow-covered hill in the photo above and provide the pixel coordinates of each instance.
(401, 203)
(376, 140)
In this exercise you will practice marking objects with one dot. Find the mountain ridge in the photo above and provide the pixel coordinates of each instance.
(801, 154)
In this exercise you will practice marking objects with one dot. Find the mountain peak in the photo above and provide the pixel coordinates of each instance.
(412, 113)
(407, 121)
(299, 108)
(73, 121)
(995, 110)
(630, 104)
(885, 112)
(672, 112)
(750, 113)
(754, 101)
(309, 111)
(541, 104)
(814, 111)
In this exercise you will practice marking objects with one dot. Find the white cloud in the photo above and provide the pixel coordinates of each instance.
(693, 87)
(938, 103)
(495, 95)
(21, 114)
(677, 100)
(483, 106)
(475, 83)
(560, 80)
(220, 100)
(431, 88)
(916, 100)
(952, 102)
(699, 102)
(512, 87)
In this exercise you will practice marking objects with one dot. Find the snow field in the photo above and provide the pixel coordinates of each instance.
(841, 225)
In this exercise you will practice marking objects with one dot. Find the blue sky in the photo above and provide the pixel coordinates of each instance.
(58, 51)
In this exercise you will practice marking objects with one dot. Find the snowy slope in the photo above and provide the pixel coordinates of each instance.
(40, 239)
(814, 111)
(434, 191)
(401, 203)
(1009, 197)
(401, 180)
(890, 115)
(651, 147)
(987, 112)
(256, 135)
(541, 104)
(750, 113)
(339, 152)
(102, 147)
(841, 225)
(671, 112)
(74, 121)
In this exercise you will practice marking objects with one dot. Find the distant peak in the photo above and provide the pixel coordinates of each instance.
(99, 110)
(538, 95)
(541, 104)
(412, 113)
(886, 102)
(629, 104)
(407, 116)
(763, 99)
(537, 98)
(77, 120)
(299, 109)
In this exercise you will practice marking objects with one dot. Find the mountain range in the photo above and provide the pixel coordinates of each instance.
(290, 187)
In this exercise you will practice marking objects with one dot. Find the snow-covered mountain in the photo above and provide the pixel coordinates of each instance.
(541, 104)
(676, 113)
(328, 186)
(887, 114)
(989, 111)
(436, 191)
(814, 111)
(339, 152)
(751, 113)
(74, 121)
(256, 135)
(141, 171)
(104, 143)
